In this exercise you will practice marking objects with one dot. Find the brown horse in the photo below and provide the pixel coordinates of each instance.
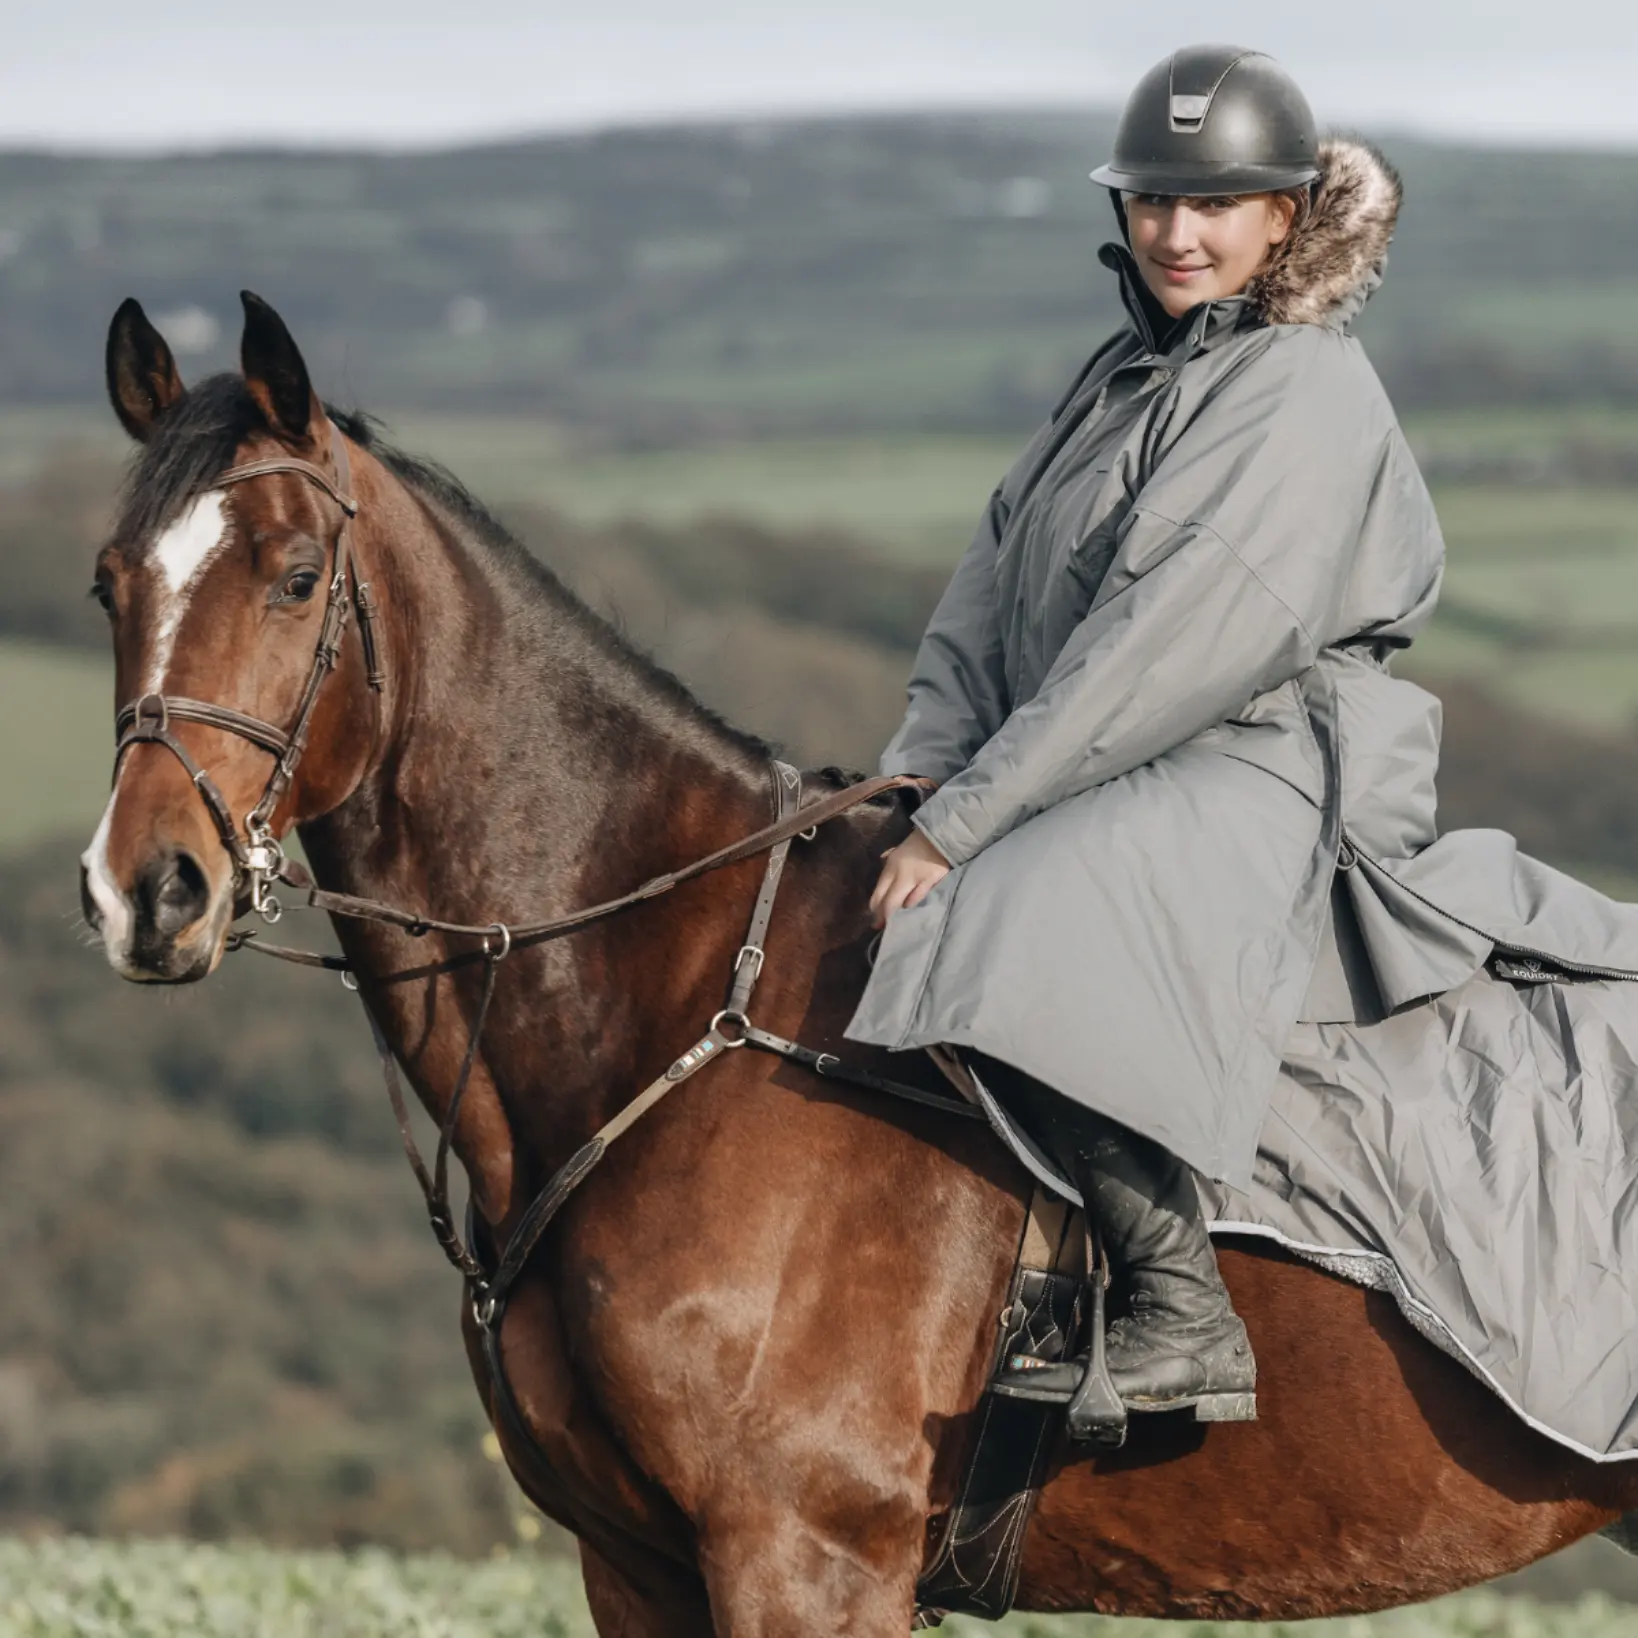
(749, 1352)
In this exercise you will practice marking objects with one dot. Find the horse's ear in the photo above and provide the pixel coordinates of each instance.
(274, 372)
(142, 378)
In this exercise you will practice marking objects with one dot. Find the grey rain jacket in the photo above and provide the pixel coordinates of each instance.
(1187, 802)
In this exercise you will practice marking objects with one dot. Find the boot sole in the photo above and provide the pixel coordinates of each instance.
(1207, 1407)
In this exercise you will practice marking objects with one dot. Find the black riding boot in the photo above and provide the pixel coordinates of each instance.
(1181, 1344)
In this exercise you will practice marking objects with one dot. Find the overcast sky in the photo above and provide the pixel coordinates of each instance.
(107, 73)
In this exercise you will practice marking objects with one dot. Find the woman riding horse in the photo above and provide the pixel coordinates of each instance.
(1189, 805)
(1183, 806)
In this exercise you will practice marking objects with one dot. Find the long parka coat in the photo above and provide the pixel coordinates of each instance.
(1187, 802)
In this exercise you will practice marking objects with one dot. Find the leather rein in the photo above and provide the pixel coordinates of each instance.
(259, 861)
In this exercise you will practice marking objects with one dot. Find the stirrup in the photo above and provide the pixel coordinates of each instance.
(1095, 1414)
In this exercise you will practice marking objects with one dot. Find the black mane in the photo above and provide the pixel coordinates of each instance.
(197, 439)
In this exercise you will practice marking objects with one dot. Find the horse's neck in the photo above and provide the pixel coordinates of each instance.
(532, 764)
(527, 745)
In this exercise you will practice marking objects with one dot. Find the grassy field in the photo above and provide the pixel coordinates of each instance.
(1541, 599)
(918, 496)
(56, 741)
(87, 1589)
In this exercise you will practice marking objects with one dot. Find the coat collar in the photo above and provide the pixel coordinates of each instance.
(1324, 273)
(1199, 329)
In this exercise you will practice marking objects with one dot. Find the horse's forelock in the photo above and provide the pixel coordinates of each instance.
(195, 441)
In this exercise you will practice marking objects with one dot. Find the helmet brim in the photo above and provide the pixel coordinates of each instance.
(1198, 182)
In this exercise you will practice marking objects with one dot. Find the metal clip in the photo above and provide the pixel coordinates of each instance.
(264, 860)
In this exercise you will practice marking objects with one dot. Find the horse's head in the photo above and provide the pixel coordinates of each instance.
(230, 581)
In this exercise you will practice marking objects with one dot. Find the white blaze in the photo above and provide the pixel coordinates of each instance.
(175, 563)
(110, 902)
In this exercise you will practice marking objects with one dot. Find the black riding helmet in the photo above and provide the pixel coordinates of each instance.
(1213, 119)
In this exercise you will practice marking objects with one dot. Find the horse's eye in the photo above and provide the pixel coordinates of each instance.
(300, 586)
(103, 592)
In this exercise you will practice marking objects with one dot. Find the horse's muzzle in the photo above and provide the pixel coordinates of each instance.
(166, 929)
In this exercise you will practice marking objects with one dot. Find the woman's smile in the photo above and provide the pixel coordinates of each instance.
(1191, 250)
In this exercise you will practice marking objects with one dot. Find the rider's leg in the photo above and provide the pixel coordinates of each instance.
(1181, 1343)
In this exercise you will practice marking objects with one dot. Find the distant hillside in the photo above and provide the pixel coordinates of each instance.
(663, 283)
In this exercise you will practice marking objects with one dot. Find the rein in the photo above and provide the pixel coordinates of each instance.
(259, 861)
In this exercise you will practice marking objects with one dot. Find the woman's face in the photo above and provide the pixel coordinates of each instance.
(1195, 250)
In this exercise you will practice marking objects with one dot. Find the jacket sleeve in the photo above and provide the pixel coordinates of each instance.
(1228, 579)
(958, 695)
(958, 688)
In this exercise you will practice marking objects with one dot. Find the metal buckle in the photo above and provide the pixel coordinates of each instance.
(751, 950)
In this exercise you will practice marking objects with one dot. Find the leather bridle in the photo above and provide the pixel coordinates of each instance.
(258, 858)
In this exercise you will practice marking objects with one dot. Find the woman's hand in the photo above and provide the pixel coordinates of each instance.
(912, 870)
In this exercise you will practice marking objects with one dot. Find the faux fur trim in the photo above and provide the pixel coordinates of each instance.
(1333, 259)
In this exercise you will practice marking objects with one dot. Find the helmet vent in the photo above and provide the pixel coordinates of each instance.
(1189, 113)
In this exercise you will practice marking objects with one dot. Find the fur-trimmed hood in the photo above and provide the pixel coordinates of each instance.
(1328, 268)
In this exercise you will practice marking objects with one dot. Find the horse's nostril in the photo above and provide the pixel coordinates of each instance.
(88, 905)
(172, 893)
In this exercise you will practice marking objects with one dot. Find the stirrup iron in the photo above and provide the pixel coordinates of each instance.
(1095, 1414)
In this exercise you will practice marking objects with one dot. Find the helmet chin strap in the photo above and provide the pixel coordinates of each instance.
(1119, 206)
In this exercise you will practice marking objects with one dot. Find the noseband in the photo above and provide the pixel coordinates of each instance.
(258, 859)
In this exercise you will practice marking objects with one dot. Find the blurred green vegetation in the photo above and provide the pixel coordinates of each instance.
(58, 747)
(763, 278)
(70, 1588)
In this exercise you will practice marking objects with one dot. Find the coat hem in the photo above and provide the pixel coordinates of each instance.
(1376, 1271)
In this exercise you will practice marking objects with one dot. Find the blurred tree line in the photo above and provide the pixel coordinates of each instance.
(931, 271)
